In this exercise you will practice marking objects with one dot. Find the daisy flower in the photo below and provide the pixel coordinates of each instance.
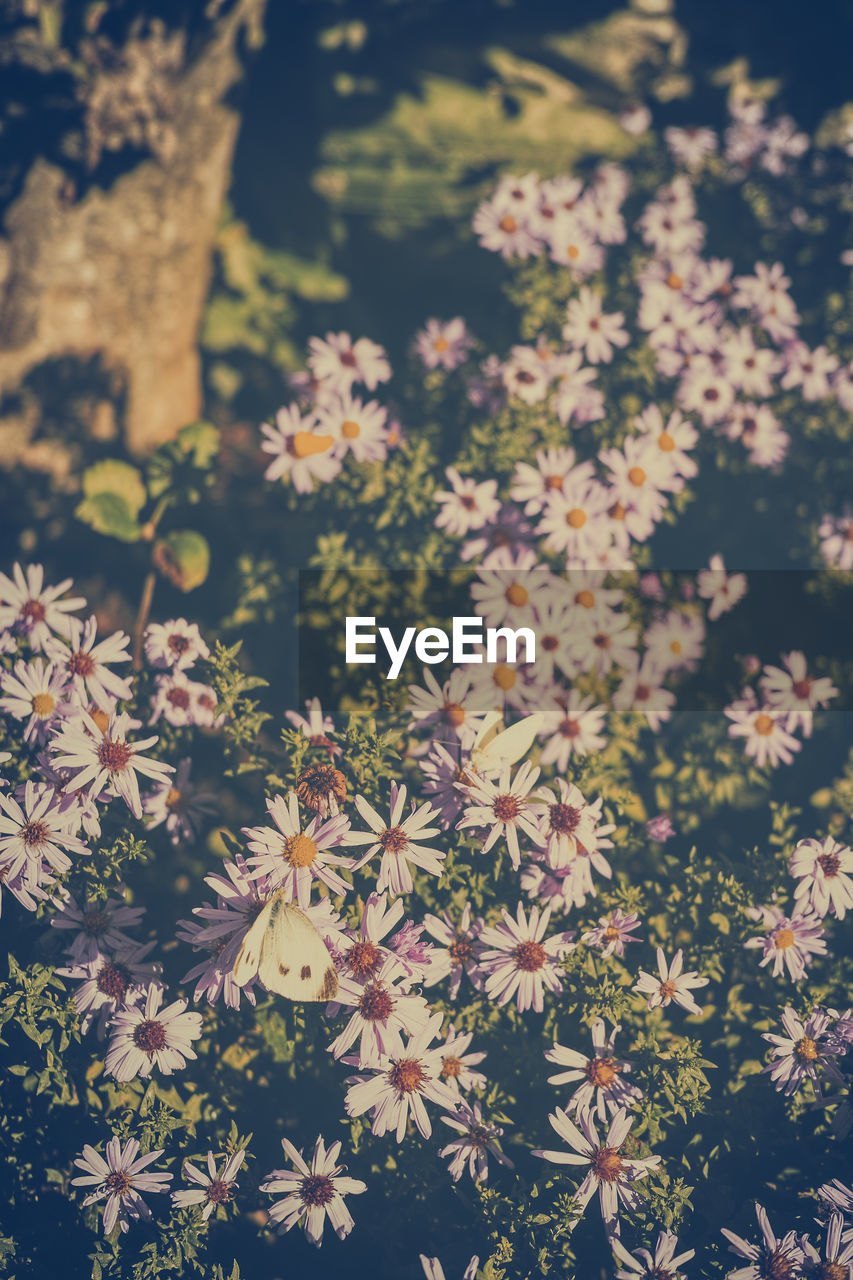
(795, 692)
(315, 725)
(84, 663)
(99, 759)
(675, 642)
(772, 1257)
(509, 594)
(457, 1065)
(433, 1270)
(452, 708)
(568, 820)
(35, 692)
(173, 700)
(574, 521)
(357, 428)
(789, 941)
(176, 645)
(669, 984)
(674, 440)
(723, 590)
(441, 772)
(611, 1174)
(664, 1264)
(35, 834)
(836, 1263)
(573, 728)
(762, 726)
(147, 1036)
(443, 344)
(294, 855)
(380, 1011)
(504, 231)
(118, 1179)
(299, 450)
(211, 1188)
(836, 540)
(337, 362)
(532, 484)
(478, 1139)
(822, 869)
(467, 504)
(799, 1053)
(179, 804)
(588, 329)
(458, 950)
(642, 692)
(601, 1086)
(363, 955)
(399, 1085)
(312, 1192)
(502, 807)
(30, 609)
(690, 146)
(398, 840)
(109, 983)
(519, 963)
(613, 932)
(98, 926)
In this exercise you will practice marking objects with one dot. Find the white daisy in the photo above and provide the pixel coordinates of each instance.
(144, 1037)
(312, 1192)
(399, 1085)
(97, 758)
(211, 1188)
(398, 840)
(520, 962)
(611, 1174)
(118, 1178)
(30, 609)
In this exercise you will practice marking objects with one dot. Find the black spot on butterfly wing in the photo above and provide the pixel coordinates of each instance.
(330, 984)
(306, 972)
(283, 970)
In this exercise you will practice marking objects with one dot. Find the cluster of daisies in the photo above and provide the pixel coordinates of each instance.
(406, 1064)
(725, 346)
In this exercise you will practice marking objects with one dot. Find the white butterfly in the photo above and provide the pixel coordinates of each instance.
(287, 953)
(492, 751)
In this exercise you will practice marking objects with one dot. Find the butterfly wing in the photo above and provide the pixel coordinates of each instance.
(295, 961)
(249, 956)
(512, 743)
(487, 731)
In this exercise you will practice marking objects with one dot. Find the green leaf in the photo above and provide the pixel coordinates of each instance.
(201, 441)
(119, 478)
(183, 557)
(110, 514)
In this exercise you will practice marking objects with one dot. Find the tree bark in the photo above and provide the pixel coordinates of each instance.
(120, 276)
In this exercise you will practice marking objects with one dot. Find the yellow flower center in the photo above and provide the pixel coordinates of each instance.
(440, 345)
(763, 724)
(350, 430)
(784, 939)
(637, 476)
(666, 442)
(300, 850)
(43, 705)
(576, 518)
(806, 1050)
(573, 252)
(517, 595)
(504, 677)
(304, 443)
